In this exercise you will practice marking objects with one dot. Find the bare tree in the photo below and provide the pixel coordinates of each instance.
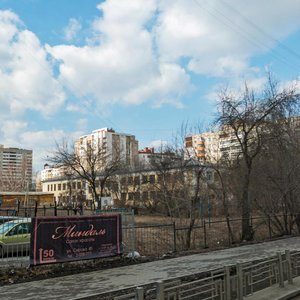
(277, 190)
(92, 163)
(182, 183)
(244, 117)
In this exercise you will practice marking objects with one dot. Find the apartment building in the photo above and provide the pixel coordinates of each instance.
(112, 146)
(204, 146)
(15, 169)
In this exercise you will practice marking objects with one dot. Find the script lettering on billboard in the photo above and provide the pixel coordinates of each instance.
(71, 231)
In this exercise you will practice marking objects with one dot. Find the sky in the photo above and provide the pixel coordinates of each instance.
(143, 67)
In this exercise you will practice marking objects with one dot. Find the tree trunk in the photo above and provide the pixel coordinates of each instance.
(189, 234)
(247, 232)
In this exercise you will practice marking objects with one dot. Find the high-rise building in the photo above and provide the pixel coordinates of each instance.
(112, 145)
(15, 169)
(204, 146)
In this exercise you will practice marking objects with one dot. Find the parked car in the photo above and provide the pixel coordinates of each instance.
(4, 219)
(15, 236)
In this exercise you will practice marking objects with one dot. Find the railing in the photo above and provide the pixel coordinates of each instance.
(229, 283)
(163, 239)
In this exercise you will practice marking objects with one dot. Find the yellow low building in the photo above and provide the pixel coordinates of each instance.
(13, 199)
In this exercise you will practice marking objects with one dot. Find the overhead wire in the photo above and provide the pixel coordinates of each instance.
(265, 33)
(244, 33)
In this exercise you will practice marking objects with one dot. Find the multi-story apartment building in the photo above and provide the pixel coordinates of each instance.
(112, 145)
(107, 147)
(230, 147)
(15, 169)
(204, 146)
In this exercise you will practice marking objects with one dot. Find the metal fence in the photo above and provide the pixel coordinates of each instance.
(160, 239)
(228, 283)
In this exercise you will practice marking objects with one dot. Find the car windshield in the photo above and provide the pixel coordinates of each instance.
(6, 226)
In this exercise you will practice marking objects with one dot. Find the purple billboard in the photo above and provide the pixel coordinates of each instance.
(62, 239)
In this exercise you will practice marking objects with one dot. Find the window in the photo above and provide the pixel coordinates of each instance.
(137, 180)
(145, 196)
(73, 185)
(64, 186)
(130, 180)
(152, 195)
(54, 187)
(59, 187)
(23, 228)
(159, 178)
(209, 175)
(137, 196)
(152, 179)
(144, 179)
(123, 181)
(79, 185)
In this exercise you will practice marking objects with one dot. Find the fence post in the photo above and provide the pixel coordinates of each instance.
(239, 278)
(44, 210)
(18, 207)
(55, 209)
(280, 269)
(228, 230)
(289, 266)
(35, 208)
(227, 283)
(174, 237)
(160, 290)
(204, 232)
(139, 293)
(270, 229)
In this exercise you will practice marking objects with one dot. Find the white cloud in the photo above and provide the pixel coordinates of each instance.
(71, 31)
(26, 84)
(26, 79)
(141, 51)
(219, 37)
(44, 144)
(138, 47)
(123, 66)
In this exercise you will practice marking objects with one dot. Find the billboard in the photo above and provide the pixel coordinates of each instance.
(62, 239)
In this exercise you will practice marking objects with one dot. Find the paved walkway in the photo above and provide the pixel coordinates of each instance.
(85, 284)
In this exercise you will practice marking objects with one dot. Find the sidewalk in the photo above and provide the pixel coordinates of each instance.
(91, 283)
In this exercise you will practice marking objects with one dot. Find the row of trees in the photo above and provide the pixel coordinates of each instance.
(262, 178)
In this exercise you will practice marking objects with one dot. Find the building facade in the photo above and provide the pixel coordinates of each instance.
(111, 145)
(147, 189)
(15, 169)
(204, 146)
